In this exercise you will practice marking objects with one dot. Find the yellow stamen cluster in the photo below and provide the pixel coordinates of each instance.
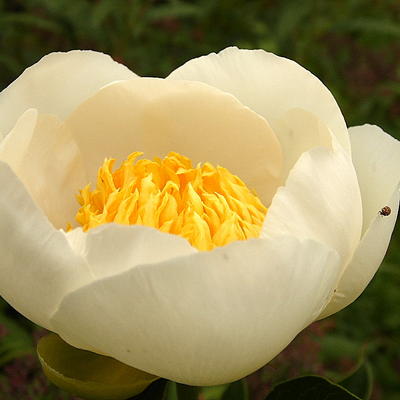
(207, 205)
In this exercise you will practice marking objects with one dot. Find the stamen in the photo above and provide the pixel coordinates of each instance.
(207, 205)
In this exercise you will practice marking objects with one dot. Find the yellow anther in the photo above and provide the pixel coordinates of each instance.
(207, 205)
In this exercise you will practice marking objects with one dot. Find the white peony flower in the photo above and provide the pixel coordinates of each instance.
(148, 297)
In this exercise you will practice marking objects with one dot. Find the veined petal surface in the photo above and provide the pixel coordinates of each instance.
(58, 83)
(157, 116)
(38, 266)
(207, 318)
(376, 156)
(268, 84)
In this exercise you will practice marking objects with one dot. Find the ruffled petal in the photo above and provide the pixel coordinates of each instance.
(268, 84)
(44, 156)
(58, 83)
(156, 117)
(207, 318)
(38, 267)
(321, 201)
(376, 156)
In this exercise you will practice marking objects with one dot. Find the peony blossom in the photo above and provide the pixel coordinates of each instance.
(167, 298)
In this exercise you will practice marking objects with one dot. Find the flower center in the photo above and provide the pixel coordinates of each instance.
(207, 205)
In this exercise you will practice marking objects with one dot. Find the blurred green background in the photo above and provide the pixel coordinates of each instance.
(353, 46)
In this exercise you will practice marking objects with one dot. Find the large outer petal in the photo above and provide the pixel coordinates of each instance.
(58, 83)
(158, 116)
(321, 201)
(38, 267)
(43, 154)
(206, 318)
(376, 156)
(268, 84)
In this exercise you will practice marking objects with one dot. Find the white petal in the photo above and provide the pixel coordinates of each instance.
(268, 84)
(376, 156)
(45, 157)
(38, 267)
(366, 260)
(158, 116)
(208, 318)
(300, 131)
(58, 83)
(111, 249)
(321, 201)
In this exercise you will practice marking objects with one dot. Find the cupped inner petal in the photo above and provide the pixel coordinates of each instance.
(300, 131)
(43, 154)
(205, 318)
(268, 84)
(320, 200)
(156, 116)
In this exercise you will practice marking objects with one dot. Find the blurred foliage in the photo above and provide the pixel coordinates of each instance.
(353, 46)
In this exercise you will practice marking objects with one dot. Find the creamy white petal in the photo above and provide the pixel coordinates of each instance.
(158, 116)
(366, 260)
(44, 156)
(58, 83)
(207, 318)
(300, 131)
(111, 249)
(268, 84)
(38, 267)
(321, 201)
(376, 156)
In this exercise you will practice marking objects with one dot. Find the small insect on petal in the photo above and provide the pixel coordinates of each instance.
(385, 211)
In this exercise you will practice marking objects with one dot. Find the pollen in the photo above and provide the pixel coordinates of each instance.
(207, 205)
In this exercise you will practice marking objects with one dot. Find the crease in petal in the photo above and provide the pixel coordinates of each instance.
(206, 318)
(57, 83)
(45, 157)
(268, 84)
(38, 267)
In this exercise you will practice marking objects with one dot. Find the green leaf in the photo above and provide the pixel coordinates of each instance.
(89, 375)
(310, 387)
(360, 382)
(236, 391)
